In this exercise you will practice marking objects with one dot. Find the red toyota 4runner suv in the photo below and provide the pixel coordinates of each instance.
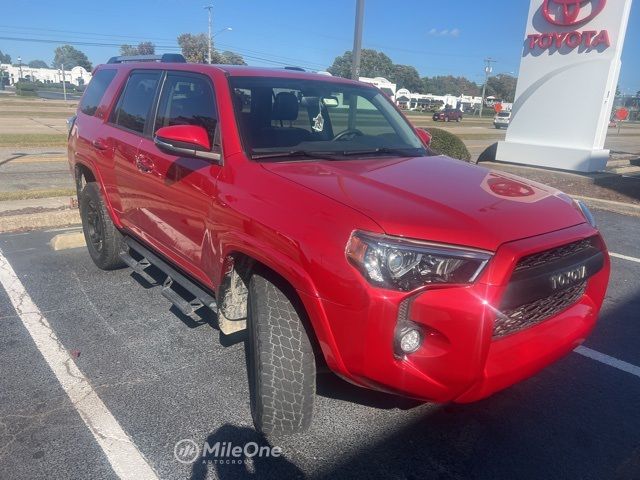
(307, 210)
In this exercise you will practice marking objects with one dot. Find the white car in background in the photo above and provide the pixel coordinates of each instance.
(502, 119)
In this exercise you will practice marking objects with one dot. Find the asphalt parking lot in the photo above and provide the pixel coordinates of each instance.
(164, 378)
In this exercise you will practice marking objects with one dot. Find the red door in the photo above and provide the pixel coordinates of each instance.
(181, 190)
(124, 132)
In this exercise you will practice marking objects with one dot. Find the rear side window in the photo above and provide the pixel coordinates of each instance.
(98, 85)
(187, 100)
(134, 104)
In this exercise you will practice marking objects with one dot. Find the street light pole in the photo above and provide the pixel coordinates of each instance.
(487, 73)
(209, 8)
(64, 86)
(357, 41)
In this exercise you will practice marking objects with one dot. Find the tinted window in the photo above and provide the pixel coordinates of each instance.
(187, 100)
(135, 102)
(98, 85)
(278, 114)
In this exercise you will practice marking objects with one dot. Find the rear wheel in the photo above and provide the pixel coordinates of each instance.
(280, 361)
(101, 235)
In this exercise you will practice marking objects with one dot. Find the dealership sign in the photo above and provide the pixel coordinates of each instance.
(566, 85)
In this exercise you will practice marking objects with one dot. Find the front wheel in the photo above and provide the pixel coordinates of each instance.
(101, 235)
(280, 361)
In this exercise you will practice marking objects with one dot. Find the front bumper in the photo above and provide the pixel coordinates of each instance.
(459, 359)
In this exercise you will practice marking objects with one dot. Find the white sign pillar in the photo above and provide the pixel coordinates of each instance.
(566, 86)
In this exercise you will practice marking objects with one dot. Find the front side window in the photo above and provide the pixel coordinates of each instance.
(187, 100)
(95, 91)
(280, 115)
(134, 106)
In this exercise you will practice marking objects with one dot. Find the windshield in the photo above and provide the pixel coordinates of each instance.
(313, 118)
(504, 114)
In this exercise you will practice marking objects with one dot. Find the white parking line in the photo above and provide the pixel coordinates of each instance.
(123, 455)
(625, 257)
(607, 360)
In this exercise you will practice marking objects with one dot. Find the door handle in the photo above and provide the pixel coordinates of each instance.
(144, 164)
(99, 144)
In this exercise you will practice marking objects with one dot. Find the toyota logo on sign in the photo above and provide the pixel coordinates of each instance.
(568, 13)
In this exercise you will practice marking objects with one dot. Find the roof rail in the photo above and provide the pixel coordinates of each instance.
(165, 58)
(297, 69)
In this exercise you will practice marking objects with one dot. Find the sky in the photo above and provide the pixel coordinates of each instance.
(437, 37)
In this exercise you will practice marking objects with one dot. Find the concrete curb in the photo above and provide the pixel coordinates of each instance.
(611, 206)
(65, 241)
(36, 221)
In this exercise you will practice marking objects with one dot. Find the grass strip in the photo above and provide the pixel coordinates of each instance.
(32, 139)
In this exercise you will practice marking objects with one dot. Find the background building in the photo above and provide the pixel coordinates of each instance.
(76, 76)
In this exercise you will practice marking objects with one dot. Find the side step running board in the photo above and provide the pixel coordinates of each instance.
(187, 307)
(137, 266)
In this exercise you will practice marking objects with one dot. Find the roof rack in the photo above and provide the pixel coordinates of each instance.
(297, 69)
(165, 58)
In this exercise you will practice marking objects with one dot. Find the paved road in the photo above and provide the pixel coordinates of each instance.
(165, 378)
(34, 169)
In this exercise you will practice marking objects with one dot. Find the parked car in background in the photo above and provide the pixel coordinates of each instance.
(308, 211)
(448, 115)
(502, 119)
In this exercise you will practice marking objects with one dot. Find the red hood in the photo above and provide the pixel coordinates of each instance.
(438, 198)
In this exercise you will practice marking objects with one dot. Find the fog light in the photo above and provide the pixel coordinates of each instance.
(410, 340)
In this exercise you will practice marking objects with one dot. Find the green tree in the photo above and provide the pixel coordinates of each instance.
(143, 48)
(230, 58)
(5, 57)
(406, 76)
(194, 47)
(445, 85)
(372, 64)
(38, 64)
(128, 50)
(503, 87)
(146, 48)
(70, 57)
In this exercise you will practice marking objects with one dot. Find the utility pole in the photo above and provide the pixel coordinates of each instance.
(209, 8)
(64, 86)
(357, 41)
(20, 67)
(487, 73)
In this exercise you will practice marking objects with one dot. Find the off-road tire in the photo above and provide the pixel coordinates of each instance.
(280, 361)
(101, 235)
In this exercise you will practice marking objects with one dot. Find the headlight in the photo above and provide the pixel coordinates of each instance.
(405, 265)
(585, 212)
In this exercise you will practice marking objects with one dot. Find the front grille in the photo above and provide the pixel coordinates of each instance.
(548, 256)
(529, 314)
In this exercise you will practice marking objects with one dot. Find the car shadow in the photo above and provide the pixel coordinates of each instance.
(329, 385)
(267, 463)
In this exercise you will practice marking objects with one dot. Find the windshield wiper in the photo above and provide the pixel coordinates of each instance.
(295, 153)
(334, 155)
(404, 152)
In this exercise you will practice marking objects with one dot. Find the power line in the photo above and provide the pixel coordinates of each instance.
(159, 47)
(133, 39)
